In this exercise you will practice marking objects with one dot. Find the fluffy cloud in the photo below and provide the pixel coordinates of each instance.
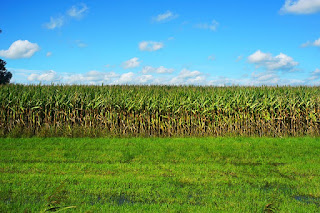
(126, 78)
(316, 43)
(131, 63)
(20, 49)
(186, 77)
(266, 60)
(160, 70)
(167, 16)
(150, 45)
(301, 6)
(145, 79)
(47, 77)
(49, 54)
(259, 56)
(77, 11)
(211, 26)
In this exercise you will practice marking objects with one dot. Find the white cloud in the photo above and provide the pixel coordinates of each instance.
(186, 77)
(55, 23)
(307, 44)
(189, 74)
(144, 79)
(131, 78)
(150, 45)
(160, 70)
(316, 43)
(316, 72)
(266, 60)
(49, 54)
(224, 81)
(293, 82)
(259, 56)
(315, 75)
(20, 49)
(131, 63)
(198, 80)
(167, 16)
(269, 77)
(91, 77)
(211, 26)
(301, 6)
(47, 77)
(77, 11)
(126, 78)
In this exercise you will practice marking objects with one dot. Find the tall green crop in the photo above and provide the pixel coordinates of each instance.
(77, 111)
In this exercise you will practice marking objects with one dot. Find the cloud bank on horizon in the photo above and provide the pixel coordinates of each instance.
(199, 43)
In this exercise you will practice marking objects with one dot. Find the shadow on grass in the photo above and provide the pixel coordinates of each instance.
(308, 199)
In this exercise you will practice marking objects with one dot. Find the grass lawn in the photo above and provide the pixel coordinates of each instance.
(160, 174)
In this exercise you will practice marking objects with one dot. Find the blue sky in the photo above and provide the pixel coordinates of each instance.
(203, 42)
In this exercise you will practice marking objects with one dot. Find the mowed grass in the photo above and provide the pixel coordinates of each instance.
(160, 174)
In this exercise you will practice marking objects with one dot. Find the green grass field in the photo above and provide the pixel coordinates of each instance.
(160, 175)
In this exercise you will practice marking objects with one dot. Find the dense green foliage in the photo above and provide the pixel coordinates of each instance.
(75, 111)
(160, 175)
(5, 75)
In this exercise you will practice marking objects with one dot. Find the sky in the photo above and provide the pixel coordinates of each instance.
(167, 42)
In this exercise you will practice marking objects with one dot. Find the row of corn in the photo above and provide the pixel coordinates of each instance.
(82, 110)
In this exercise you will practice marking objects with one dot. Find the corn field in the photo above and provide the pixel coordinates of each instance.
(95, 111)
